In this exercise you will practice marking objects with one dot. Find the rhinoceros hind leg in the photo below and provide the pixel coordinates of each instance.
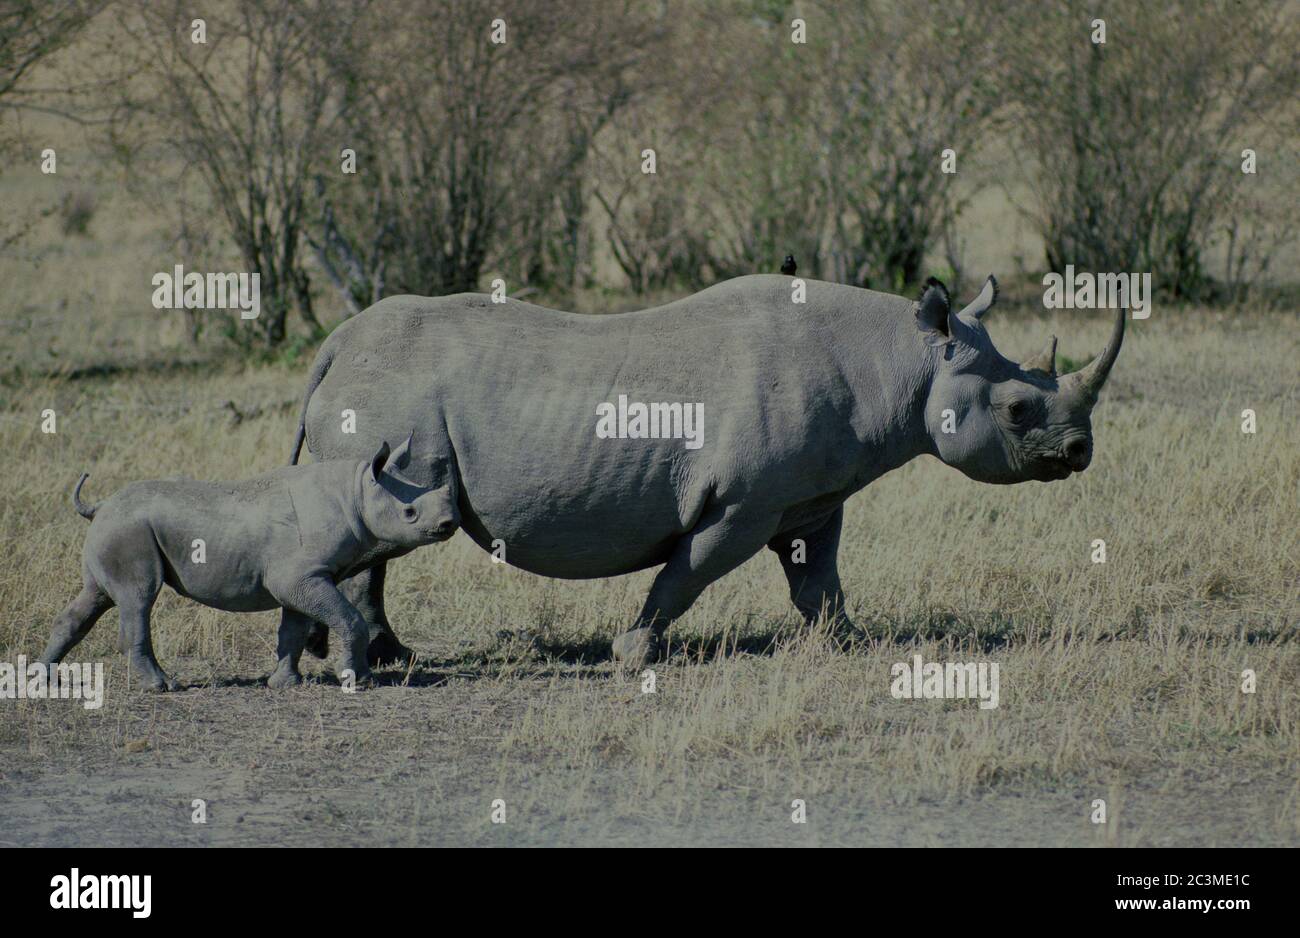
(318, 641)
(294, 628)
(366, 592)
(813, 573)
(722, 540)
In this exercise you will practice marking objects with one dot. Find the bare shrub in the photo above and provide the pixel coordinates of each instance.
(831, 149)
(76, 209)
(1135, 143)
(899, 85)
(250, 112)
(31, 31)
(474, 151)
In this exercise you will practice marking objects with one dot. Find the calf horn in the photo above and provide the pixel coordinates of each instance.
(1089, 379)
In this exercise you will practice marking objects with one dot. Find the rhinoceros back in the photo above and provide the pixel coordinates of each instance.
(513, 390)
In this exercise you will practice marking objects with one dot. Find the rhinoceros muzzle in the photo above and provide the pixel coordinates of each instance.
(1077, 454)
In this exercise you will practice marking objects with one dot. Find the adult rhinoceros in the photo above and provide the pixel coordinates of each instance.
(803, 405)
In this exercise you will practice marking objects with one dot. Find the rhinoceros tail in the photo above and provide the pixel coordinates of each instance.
(86, 511)
(318, 369)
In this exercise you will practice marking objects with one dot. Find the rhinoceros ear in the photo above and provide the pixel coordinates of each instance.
(982, 303)
(378, 461)
(932, 312)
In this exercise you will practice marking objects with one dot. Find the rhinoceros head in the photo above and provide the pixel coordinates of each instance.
(998, 421)
(399, 511)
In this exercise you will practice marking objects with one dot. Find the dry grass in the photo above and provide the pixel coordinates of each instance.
(1119, 681)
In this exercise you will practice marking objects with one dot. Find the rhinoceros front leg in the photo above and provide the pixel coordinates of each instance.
(366, 592)
(809, 558)
(722, 540)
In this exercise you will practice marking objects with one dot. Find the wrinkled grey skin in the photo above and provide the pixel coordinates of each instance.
(281, 539)
(803, 406)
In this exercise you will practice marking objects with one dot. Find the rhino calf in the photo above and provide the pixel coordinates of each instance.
(282, 539)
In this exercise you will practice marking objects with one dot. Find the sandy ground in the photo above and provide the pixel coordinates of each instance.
(422, 764)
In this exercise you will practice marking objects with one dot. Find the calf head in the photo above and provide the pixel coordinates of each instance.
(401, 512)
(1009, 422)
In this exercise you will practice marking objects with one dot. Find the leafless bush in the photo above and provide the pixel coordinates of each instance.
(831, 148)
(1136, 143)
(899, 85)
(30, 32)
(523, 158)
(76, 209)
(250, 111)
(471, 153)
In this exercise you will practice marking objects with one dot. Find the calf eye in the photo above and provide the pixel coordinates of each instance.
(409, 513)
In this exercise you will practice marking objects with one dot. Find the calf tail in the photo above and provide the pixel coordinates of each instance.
(86, 511)
(319, 367)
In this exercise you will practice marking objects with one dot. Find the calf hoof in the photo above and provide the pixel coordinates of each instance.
(359, 683)
(637, 648)
(283, 679)
(161, 686)
(385, 649)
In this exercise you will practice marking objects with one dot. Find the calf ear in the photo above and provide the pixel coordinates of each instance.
(377, 463)
(932, 312)
(401, 457)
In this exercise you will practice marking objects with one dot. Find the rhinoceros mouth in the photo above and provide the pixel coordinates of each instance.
(439, 533)
(1056, 470)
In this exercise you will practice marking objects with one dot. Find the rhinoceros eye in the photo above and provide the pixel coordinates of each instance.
(1018, 411)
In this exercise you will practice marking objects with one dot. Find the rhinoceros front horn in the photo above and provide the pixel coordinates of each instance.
(1087, 381)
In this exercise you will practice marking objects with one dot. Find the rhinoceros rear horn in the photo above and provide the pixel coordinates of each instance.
(1044, 361)
(1088, 380)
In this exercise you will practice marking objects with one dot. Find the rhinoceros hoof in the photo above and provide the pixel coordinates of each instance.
(846, 638)
(637, 648)
(282, 679)
(385, 649)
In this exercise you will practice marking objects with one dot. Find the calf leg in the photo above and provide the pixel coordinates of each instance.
(128, 568)
(134, 618)
(366, 592)
(76, 620)
(294, 629)
(318, 598)
(721, 541)
(812, 571)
